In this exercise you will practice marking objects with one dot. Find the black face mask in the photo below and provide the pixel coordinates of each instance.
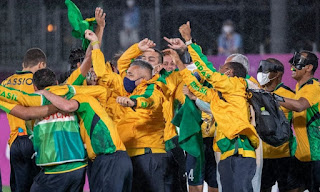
(266, 66)
(298, 61)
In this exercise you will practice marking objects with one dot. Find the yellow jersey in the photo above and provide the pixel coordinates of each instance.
(22, 80)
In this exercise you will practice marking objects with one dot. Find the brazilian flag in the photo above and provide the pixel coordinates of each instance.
(189, 120)
(78, 24)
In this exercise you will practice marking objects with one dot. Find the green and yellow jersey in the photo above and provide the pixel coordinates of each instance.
(126, 59)
(97, 129)
(143, 126)
(105, 140)
(110, 80)
(288, 148)
(76, 78)
(14, 96)
(306, 123)
(22, 80)
(172, 81)
(231, 111)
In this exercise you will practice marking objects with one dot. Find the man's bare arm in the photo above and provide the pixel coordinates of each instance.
(28, 113)
(295, 105)
(60, 102)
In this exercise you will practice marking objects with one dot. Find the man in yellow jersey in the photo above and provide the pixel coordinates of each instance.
(252, 84)
(141, 127)
(279, 163)
(306, 118)
(236, 138)
(148, 99)
(208, 172)
(145, 49)
(59, 158)
(23, 168)
(99, 135)
(111, 169)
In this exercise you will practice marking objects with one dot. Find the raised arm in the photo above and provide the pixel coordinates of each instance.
(191, 81)
(85, 66)
(97, 56)
(100, 17)
(219, 81)
(133, 52)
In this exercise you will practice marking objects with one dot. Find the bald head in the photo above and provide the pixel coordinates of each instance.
(239, 58)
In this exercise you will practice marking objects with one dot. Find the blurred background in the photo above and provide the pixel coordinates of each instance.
(262, 28)
(265, 26)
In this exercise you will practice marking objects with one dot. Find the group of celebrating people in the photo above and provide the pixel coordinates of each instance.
(114, 121)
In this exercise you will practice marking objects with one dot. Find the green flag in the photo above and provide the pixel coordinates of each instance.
(189, 120)
(78, 24)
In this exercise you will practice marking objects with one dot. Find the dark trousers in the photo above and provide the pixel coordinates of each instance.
(111, 172)
(281, 170)
(63, 182)
(316, 173)
(310, 175)
(23, 168)
(149, 172)
(236, 173)
(175, 174)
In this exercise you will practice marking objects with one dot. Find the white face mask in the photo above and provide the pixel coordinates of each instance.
(227, 29)
(263, 78)
(130, 3)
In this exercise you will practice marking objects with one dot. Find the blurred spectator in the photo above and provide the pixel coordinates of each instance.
(229, 41)
(131, 20)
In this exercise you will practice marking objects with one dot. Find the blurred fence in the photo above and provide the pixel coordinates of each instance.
(24, 24)
(50, 30)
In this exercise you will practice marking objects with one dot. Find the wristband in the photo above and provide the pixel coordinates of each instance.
(94, 43)
(278, 98)
(189, 42)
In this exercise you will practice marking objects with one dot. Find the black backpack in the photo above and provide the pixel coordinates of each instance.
(271, 124)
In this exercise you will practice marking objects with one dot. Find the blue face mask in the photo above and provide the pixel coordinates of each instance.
(129, 85)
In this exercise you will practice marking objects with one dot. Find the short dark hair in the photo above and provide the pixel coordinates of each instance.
(115, 58)
(44, 78)
(228, 22)
(34, 56)
(238, 69)
(312, 60)
(143, 64)
(277, 63)
(76, 55)
(160, 55)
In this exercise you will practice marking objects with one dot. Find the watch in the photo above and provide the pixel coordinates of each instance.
(189, 42)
